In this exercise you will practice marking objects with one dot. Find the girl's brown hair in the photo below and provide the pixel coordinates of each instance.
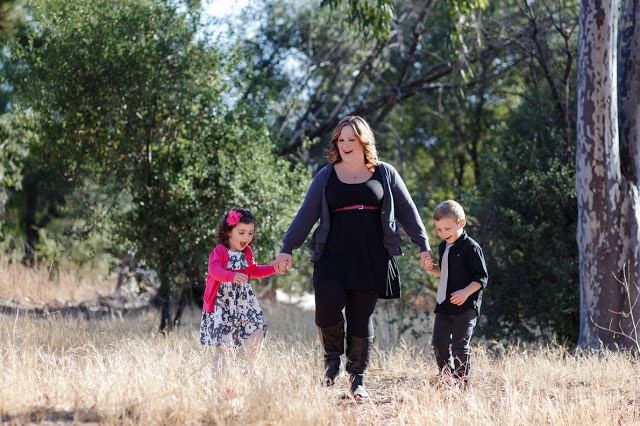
(365, 136)
(226, 225)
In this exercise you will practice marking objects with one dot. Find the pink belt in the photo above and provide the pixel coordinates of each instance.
(355, 207)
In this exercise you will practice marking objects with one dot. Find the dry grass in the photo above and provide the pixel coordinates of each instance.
(120, 371)
(53, 281)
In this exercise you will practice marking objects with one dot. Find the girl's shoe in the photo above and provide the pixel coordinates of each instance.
(253, 373)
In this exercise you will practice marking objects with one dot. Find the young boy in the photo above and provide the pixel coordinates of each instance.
(463, 276)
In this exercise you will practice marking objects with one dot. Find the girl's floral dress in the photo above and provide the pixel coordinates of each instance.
(237, 313)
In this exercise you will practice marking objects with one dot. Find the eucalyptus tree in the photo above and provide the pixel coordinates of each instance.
(608, 166)
(135, 96)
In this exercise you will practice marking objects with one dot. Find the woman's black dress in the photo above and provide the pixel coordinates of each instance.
(354, 253)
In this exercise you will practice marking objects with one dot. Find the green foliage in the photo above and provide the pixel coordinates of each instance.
(524, 208)
(528, 232)
(372, 17)
(12, 154)
(132, 123)
(525, 219)
(499, 107)
(134, 98)
(10, 17)
(376, 17)
(83, 232)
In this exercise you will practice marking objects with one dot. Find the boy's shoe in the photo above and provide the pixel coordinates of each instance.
(445, 380)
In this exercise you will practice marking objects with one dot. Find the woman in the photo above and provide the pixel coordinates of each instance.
(359, 201)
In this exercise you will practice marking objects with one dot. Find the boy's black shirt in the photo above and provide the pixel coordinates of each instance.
(466, 264)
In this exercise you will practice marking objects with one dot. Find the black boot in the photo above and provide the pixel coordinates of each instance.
(358, 350)
(332, 340)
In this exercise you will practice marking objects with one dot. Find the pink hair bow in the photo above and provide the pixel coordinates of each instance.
(233, 218)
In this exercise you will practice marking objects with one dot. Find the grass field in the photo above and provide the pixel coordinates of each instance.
(59, 370)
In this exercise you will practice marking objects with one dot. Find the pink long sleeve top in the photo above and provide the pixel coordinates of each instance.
(218, 272)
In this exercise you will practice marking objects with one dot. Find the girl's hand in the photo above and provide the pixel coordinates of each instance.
(279, 267)
(240, 278)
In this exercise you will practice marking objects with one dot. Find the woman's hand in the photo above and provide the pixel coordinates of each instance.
(283, 262)
(426, 260)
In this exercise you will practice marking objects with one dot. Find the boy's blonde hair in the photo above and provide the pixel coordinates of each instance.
(450, 209)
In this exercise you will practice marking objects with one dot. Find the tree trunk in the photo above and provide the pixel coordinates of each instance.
(607, 200)
(629, 125)
(31, 208)
(165, 304)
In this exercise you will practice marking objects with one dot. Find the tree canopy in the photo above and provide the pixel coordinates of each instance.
(137, 120)
(134, 99)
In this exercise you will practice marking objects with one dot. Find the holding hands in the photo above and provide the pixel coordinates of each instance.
(426, 260)
(282, 262)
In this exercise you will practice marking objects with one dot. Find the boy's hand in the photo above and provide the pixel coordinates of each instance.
(459, 297)
(426, 260)
(429, 264)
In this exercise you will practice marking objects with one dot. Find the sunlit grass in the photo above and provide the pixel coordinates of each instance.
(57, 370)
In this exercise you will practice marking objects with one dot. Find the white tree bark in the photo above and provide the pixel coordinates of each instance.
(607, 194)
(629, 125)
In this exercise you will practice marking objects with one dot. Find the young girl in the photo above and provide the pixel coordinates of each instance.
(231, 312)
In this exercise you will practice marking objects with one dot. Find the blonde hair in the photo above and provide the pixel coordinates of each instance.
(449, 209)
(365, 136)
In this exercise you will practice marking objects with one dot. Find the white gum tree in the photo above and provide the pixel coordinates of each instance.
(607, 170)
